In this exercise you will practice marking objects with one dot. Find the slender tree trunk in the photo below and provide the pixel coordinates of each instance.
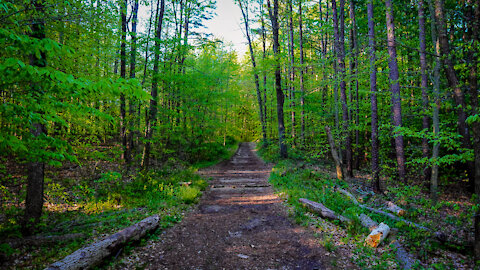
(378, 186)
(302, 68)
(152, 115)
(424, 85)
(278, 78)
(448, 66)
(123, 71)
(131, 106)
(255, 71)
(436, 107)
(395, 88)
(292, 68)
(36, 168)
(353, 68)
(264, 56)
(340, 49)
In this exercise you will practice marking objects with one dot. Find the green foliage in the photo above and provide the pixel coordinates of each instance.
(188, 194)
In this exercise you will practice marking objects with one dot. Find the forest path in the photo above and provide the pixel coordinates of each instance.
(239, 224)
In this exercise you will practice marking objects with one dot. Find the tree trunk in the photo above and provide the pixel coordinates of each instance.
(436, 107)
(448, 66)
(36, 168)
(278, 77)
(424, 84)
(152, 115)
(123, 72)
(131, 106)
(340, 50)
(264, 56)
(292, 69)
(377, 185)
(245, 12)
(353, 68)
(302, 68)
(395, 89)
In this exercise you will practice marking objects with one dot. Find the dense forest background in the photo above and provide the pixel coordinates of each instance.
(95, 111)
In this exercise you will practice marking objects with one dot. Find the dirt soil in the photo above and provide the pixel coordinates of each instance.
(239, 224)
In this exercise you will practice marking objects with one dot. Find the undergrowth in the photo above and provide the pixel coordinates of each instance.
(294, 178)
(102, 206)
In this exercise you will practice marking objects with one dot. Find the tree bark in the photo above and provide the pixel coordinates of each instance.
(152, 115)
(36, 168)
(377, 185)
(395, 89)
(123, 72)
(278, 78)
(436, 107)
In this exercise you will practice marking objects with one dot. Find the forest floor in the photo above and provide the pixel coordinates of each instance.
(239, 224)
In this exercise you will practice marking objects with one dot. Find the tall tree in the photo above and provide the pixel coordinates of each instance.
(123, 74)
(395, 89)
(424, 85)
(302, 71)
(353, 70)
(152, 113)
(278, 77)
(292, 66)
(377, 185)
(436, 107)
(339, 33)
(131, 105)
(448, 66)
(245, 12)
(36, 168)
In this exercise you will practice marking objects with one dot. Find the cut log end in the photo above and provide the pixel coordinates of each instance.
(395, 209)
(377, 235)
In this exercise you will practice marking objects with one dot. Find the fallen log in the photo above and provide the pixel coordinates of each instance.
(322, 210)
(39, 240)
(405, 259)
(439, 236)
(348, 194)
(367, 222)
(395, 208)
(93, 254)
(378, 211)
(378, 234)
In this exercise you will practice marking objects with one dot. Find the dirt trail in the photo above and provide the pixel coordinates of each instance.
(239, 224)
